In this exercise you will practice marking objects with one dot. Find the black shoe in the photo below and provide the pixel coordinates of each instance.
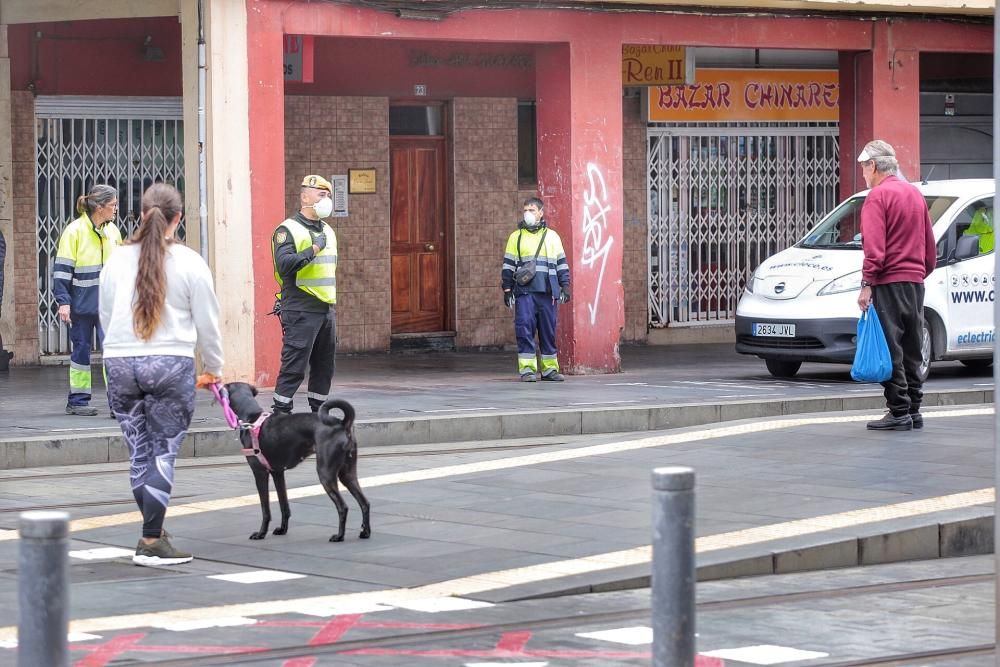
(890, 423)
(917, 419)
(554, 376)
(527, 377)
(81, 410)
(281, 409)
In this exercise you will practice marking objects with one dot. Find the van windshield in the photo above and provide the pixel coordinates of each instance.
(842, 227)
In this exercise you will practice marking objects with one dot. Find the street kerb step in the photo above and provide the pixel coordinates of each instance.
(107, 445)
(955, 533)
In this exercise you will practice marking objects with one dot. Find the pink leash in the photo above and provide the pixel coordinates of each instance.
(222, 396)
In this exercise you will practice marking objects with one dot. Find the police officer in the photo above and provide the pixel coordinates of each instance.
(534, 296)
(84, 247)
(305, 266)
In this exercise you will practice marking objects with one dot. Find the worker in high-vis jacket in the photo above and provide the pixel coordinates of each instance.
(535, 278)
(982, 226)
(305, 266)
(84, 248)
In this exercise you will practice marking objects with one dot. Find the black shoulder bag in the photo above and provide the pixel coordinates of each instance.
(525, 271)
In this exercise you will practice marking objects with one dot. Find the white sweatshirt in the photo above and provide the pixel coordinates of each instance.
(190, 316)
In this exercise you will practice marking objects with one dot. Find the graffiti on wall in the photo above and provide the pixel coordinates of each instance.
(596, 241)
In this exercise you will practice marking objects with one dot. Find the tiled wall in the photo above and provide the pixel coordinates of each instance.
(634, 269)
(487, 207)
(326, 136)
(23, 251)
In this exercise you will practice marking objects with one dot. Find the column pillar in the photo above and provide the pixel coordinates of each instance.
(265, 81)
(879, 99)
(231, 239)
(579, 118)
(189, 87)
(6, 193)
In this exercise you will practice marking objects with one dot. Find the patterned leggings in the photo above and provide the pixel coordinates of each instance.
(153, 400)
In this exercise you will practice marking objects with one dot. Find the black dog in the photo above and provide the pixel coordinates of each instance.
(286, 440)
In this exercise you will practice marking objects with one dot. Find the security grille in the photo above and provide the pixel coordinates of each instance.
(723, 198)
(129, 143)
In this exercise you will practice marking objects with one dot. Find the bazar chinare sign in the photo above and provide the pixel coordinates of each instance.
(748, 95)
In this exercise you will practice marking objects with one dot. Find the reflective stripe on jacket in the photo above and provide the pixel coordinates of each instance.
(319, 276)
(551, 267)
(83, 250)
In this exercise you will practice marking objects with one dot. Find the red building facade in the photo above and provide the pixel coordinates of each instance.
(420, 251)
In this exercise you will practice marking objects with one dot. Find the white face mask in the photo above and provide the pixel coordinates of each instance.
(529, 219)
(324, 207)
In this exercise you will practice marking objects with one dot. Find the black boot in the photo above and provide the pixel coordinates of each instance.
(891, 423)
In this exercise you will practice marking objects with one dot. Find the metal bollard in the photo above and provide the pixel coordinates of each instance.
(673, 574)
(43, 590)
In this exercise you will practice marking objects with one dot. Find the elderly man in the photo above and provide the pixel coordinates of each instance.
(898, 241)
(305, 266)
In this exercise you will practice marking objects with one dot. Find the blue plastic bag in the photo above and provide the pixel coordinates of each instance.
(872, 361)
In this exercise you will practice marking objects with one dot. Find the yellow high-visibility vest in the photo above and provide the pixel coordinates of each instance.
(319, 276)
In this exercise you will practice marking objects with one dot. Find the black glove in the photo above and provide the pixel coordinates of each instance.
(564, 294)
(508, 298)
(320, 240)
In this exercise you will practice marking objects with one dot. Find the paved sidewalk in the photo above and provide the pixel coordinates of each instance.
(449, 397)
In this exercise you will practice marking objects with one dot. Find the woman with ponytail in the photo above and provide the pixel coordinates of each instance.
(158, 307)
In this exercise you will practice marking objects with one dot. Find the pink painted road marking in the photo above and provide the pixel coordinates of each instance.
(510, 645)
(300, 662)
(102, 654)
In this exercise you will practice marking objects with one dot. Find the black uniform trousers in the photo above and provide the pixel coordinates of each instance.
(900, 308)
(309, 340)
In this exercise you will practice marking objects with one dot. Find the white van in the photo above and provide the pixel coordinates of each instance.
(802, 303)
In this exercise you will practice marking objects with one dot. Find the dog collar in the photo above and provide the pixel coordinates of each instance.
(254, 429)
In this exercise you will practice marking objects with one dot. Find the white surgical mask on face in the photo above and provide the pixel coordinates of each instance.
(324, 207)
(529, 219)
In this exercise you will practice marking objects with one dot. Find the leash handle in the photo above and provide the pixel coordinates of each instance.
(222, 396)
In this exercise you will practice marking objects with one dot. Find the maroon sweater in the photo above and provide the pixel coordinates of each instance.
(896, 234)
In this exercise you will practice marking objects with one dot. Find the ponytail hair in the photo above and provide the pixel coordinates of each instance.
(160, 204)
(99, 195)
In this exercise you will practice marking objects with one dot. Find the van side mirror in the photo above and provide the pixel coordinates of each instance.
(967, 246)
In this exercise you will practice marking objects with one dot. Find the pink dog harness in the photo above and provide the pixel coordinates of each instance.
(222, 396)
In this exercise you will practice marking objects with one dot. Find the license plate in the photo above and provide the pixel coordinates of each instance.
(767, 329)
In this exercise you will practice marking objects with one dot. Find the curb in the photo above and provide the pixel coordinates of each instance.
(969, 534)
(41, 451)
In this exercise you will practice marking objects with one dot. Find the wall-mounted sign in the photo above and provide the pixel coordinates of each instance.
(656, 65)
(361, 181)
(339, 195)
(298, 58)
(477, 60)
(748, 95)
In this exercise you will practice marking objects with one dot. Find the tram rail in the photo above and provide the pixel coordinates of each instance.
(577, 620)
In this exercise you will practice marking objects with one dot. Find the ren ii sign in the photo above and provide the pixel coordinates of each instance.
(656, 65)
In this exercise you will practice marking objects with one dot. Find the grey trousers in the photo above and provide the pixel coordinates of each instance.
(153, 400)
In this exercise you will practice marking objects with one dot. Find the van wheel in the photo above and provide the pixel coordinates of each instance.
(926, 352)
(977, 364)
(782, 369)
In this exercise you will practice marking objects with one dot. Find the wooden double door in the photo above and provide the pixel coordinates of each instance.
(419, 237)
